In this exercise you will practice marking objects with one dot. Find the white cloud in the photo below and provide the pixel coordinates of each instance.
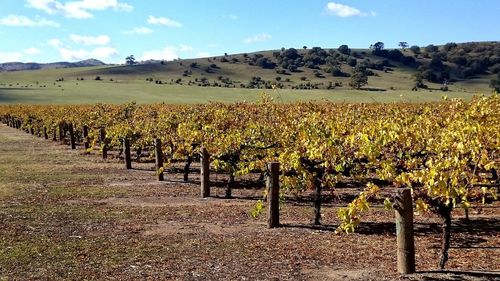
(139, 30)
(77, 9)
(202, 54)
(56, 43)
(213, 45)
(10, 56)
(101, 53)
(258, 38)
(163, 21)
(104, 53)
(90, 40)
(16, 20)
(343, 11)
(233, 17)
(32, 51)
(167, 53)
(186, 48)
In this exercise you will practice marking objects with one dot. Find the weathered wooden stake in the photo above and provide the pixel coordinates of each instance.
(273, 187)
(205, 173)
(104, 145)
(126, 151)
(45, 134)
(32, 130)
(72, 136)
(86, 144)
(54, 133)
(61, 133)
(404, 232)
(159, 159)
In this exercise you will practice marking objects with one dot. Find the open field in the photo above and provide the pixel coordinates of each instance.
(181, 83)
(64, 215)
(109, 92)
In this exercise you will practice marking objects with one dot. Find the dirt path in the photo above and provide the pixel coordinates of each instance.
(64, 215)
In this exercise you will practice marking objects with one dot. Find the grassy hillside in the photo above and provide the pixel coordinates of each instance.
(244, 76)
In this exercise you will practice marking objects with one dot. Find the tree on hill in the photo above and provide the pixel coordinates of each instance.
(358, 78)
(449, 46)
(379, 46)
(291, 53)
(431, 48)
(378, 49)
(495, 83)
(395, 55)
(265, 63)
(130, 60)
(419, 77)
(415, 49)
(403, 45)
(344, 49)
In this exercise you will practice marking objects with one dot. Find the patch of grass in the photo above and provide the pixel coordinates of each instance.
(87, 192)
(95, 92)
(122, 84)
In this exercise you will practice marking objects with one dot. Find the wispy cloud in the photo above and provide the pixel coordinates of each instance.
(258, 38)
(98, 51)
(90, 40)
(16, 20)
(344, 11)
(163, 21)
(56, 43)
(101, 53)
(232, 17)
(138, 30)
(77, 9)
(32, 51)
(186, 48)
(167, 53)
(10, 56)
(202, 54)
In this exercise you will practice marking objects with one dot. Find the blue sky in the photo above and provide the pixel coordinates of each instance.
(110, 30)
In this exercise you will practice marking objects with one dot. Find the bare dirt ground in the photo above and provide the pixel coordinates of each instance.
(69, 216)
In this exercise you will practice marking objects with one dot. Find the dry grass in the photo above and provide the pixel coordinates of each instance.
(67, 216)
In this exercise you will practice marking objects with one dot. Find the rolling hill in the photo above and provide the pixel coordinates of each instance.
(307, 73)
(19, 66)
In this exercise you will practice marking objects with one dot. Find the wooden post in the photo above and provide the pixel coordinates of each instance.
(126, 151)
(61, 133)
(205, 173)
(72, 136)
(32, 130)
(54, 133)
(404, 232)
(159, 159)
(86, 144)
(45, 134)
(104, 145)
(273, 187)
